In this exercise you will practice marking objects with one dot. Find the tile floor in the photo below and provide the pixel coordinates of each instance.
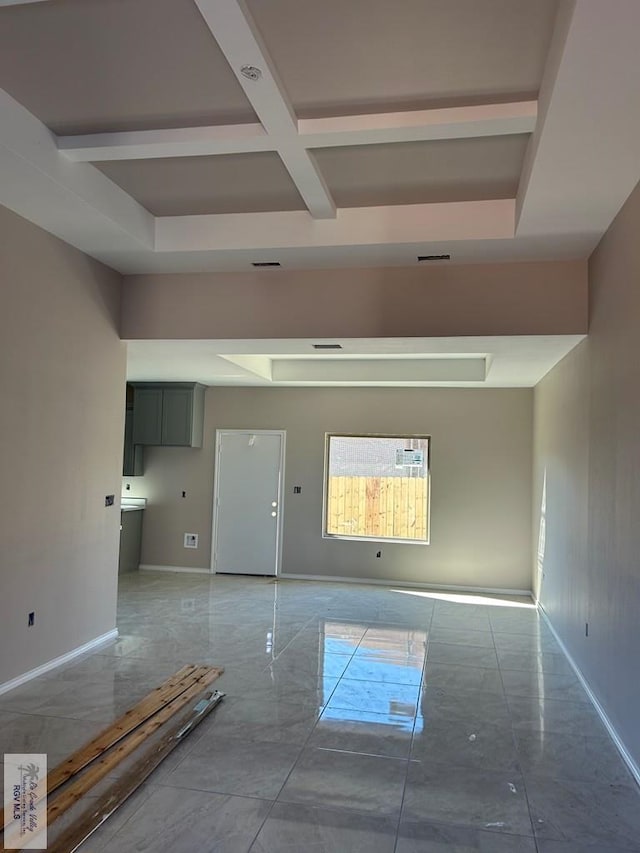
(358, 719)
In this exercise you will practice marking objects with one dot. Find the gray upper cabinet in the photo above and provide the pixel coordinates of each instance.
(168, 414)
(133, 460)
(147, 415)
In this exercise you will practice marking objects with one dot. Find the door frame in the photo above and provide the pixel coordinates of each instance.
(282, 433)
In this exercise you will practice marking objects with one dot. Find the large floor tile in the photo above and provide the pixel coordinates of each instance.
(347, 780)
(465, 679)
(571, 756)
(293, 828)
(543, 684)
(480, 799)
(538, 714)
(236, 766)
(414, 837)
(462, 655)
(36, 733)
(385, 668)
(582, 847)
(605, 815)
(534, 661)
(308, 667)
(461, 637)
(363, 731)
(178, 821)
(535, 643)
(443, 705)
(377, 697)
(485, 746)
(274, 722)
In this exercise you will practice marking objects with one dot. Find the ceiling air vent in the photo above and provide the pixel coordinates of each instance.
(265, 263)
(327, 346)
(433, 258)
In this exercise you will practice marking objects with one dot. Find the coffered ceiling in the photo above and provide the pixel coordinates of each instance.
(375, 131)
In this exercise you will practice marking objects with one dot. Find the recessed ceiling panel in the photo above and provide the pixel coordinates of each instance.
(422, 172)
(84, 66)
(228, 183)
(340, 56)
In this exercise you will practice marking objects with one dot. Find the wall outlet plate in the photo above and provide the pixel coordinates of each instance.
(190, 540)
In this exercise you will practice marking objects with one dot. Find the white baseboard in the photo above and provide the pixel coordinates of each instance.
(148, 568)
(622, 749)
(59, 661)
(408, 584)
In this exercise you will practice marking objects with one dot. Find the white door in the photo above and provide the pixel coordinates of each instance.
(247, 502)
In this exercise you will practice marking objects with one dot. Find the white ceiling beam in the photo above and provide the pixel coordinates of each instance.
(363, 226)
(239, 40)
(74, 201)
(173, 142)
(414, 125)
(582, 161)
(420, 125)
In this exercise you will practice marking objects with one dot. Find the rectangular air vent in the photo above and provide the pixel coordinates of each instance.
(433, 258)
(265, 263)
(327, 346)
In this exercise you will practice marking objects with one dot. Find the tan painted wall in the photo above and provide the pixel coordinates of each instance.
(488, 299)
(481, 482)
(587, 440)
(62, 373)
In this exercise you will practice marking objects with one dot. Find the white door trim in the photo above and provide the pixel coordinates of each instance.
(214, 521)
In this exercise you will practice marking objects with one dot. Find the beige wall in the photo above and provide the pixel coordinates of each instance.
(481, 482)
(62, 373)
(587, 442)
(474, 299)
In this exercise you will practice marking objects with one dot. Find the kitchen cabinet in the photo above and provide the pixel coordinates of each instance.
(130, 540)
(168, 414)
(133, 456)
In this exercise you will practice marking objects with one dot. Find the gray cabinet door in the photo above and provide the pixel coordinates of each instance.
(130, 541)
(177, 416)
(147, 416)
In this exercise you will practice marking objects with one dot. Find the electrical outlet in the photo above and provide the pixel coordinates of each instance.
(32, 619)
(379, 554)
(586, 629)
(190, 540)
(109, 500)
(297, 490)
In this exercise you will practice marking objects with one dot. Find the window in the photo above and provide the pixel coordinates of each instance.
(377, 487)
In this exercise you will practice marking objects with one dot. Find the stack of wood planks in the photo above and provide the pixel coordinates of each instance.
(171, 711)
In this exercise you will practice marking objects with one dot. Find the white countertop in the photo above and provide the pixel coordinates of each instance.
(128, 504)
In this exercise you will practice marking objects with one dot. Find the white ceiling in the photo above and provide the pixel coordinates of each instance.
(79, 65)
(488, 129)
(465, 362)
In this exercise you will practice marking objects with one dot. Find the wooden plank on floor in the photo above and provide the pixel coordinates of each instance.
(123, 788)
(101, 767)
(158, 698)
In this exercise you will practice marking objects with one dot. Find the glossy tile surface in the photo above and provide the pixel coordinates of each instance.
(357, 719)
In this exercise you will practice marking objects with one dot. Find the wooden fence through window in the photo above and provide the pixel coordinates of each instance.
(393, 507)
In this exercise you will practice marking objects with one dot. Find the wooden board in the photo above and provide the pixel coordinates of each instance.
(130, 720)
(100, 768)
(122, 789)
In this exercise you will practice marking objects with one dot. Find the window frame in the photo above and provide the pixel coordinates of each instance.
(325, 490)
